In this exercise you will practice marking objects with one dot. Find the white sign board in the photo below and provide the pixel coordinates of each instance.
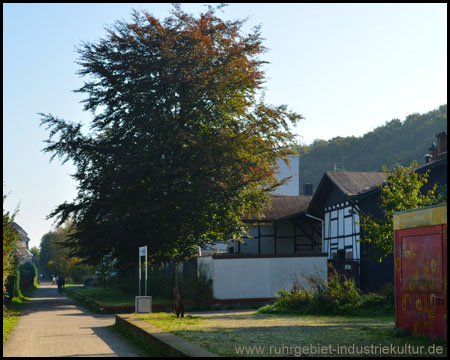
(143, 251)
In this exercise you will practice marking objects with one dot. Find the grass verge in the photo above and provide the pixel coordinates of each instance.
(11, 314)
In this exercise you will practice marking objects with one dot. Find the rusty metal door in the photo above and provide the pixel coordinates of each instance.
(420, 280)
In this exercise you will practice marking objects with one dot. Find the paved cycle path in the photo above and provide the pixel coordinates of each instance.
(55, 325)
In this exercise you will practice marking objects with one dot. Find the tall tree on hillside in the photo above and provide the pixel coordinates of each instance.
(180, 147)
(401, 192)
(395, 142)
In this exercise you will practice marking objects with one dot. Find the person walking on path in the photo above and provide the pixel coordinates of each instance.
(52, 325)
(60, 281)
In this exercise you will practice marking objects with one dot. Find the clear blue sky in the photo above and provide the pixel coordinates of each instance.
(347, 68)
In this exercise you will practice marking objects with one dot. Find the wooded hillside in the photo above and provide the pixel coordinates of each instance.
(395, 142)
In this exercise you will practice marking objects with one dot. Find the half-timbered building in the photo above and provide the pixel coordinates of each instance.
(339, 200)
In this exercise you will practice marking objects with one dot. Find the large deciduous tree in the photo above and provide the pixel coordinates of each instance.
(181, 145)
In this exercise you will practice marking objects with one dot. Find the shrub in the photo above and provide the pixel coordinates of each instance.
(92, 281)
(28, 274)
(388, 290)
(12, 287)
(337, 296)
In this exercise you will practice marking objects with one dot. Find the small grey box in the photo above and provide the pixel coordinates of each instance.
(143, 304)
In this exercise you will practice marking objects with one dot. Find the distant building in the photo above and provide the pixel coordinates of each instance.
(22, 245)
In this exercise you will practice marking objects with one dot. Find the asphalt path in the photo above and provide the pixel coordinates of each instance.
(55, 325)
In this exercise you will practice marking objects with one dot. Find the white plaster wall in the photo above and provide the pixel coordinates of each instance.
(262, 277)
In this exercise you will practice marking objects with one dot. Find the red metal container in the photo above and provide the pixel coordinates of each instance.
(420, 252)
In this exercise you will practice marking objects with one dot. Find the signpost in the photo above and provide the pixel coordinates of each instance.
(142, 252)
(143, 304)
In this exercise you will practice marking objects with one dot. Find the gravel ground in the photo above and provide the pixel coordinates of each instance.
(54, 325)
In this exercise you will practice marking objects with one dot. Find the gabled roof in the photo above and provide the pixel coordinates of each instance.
(355, 183)
(283, 207)
(19, 229)
(352, 184)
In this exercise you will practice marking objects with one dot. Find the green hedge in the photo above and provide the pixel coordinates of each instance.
(25, 278)
(28, 276)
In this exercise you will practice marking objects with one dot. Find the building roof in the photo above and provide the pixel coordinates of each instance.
(354, 183)
(351, 184)
(283, 207)
(19, 229)
(23, 240)
(441, 161)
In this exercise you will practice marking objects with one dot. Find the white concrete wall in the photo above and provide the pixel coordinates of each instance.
(236, 278)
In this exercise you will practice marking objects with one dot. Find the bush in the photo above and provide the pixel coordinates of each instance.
(12, 287)
(388, 290)
(28, 276)
(338, 296)
(24, 278)
(92, 281)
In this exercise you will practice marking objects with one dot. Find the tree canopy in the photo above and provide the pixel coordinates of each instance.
(181, 145)
(401, 192)
(54, 257)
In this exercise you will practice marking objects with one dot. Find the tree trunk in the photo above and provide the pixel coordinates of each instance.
(177, 305)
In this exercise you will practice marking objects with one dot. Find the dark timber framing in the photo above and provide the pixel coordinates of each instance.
(300, 233)
(331, 243)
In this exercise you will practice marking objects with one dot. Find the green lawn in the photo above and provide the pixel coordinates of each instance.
(252, 334)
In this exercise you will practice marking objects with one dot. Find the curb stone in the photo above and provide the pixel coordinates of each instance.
(165, 341)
